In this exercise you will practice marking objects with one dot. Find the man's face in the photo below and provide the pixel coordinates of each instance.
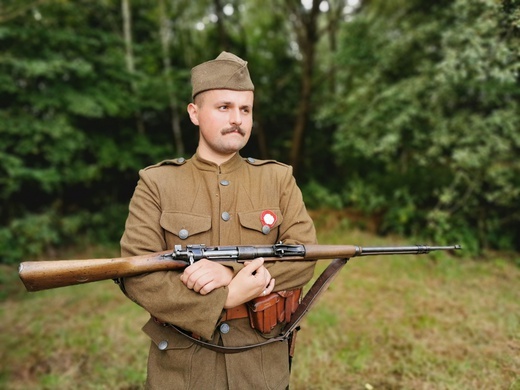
(225, 120)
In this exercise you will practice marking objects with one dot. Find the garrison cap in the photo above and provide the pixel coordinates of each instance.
(227, 71)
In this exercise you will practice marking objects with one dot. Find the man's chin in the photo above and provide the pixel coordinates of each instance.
(233, 147)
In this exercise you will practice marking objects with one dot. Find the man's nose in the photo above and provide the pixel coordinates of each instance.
(235, 117)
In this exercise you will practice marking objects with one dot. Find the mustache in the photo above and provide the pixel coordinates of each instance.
(232, 129)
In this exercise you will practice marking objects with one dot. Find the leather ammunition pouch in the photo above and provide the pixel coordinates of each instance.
(266, 312)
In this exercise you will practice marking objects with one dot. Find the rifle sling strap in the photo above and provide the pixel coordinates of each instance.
(319, 286)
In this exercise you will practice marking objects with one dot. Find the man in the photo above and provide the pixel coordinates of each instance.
(216, 198)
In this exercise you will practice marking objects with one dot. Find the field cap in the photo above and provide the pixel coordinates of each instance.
(227, 71)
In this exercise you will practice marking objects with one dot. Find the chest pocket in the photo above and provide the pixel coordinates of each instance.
(182, 226)
(254, 231)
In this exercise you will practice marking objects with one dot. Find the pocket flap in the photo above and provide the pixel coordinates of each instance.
(164, 337)
(184, 225)
(253, 219)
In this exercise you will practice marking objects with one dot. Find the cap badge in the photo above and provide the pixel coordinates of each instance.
(268, 218)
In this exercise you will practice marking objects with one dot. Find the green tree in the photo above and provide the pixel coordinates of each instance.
(66, 122)
(428, 126)
(88, 96)
(418, 99)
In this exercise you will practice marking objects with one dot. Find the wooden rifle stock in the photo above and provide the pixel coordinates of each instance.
(41, 275)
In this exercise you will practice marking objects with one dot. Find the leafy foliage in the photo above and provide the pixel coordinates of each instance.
(67, 124)
(414, 110)
(429, 125)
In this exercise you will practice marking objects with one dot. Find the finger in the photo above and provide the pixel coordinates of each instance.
(197, 279)
(185, 279)
(267, 277)
(270, 287)
(189, 281)
(263, 275)
(188, 272)
(191, 269)
(203, 280)
(254, 265)
(200, 282)
(207, 288)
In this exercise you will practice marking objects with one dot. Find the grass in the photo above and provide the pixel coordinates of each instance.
(386, 322)
(78, 337)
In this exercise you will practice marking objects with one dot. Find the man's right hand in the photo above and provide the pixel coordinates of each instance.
(204, 276)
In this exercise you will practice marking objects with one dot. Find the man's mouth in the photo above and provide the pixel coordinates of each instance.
(234, 129)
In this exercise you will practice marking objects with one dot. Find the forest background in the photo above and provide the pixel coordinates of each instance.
(403, 112)
(400, 118)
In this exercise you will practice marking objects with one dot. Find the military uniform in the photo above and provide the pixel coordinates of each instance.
(198, 202)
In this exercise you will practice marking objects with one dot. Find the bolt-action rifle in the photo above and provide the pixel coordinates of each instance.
(41, 275)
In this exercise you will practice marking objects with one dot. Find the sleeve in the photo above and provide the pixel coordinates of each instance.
(297, 228)
(163, 294)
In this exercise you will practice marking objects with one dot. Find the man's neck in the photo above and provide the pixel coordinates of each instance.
(215, 158)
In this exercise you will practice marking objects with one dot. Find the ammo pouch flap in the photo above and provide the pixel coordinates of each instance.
(266, 312)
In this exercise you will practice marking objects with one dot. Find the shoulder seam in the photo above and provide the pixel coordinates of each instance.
(256, 162)
(175, 162)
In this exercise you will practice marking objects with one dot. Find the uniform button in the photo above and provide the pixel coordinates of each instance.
(225, 216)
(183, 234)
(224, 328)
(266, 229)
(251, 160)
(181, 160)
(163, 345)
(224, 182)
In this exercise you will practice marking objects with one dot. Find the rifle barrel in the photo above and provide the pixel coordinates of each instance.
(404, 250)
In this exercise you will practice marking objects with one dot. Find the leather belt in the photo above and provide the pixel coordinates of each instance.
(162, 323)
(236, 312)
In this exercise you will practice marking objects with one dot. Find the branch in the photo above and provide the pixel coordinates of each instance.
(8, 15)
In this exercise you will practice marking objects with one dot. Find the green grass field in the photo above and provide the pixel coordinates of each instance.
(386, 322)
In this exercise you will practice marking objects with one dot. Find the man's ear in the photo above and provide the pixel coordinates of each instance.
(193, 111)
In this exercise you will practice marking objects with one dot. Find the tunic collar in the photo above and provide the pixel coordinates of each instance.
(231, 165)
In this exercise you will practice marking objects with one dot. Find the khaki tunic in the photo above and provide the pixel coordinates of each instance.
(198, 202)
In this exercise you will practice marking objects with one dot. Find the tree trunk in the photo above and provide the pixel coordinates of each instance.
(334, 18)
(165, 33)
(306, 32)
(223, 38)
(129, 53)
(304, 107)
(127, 34)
